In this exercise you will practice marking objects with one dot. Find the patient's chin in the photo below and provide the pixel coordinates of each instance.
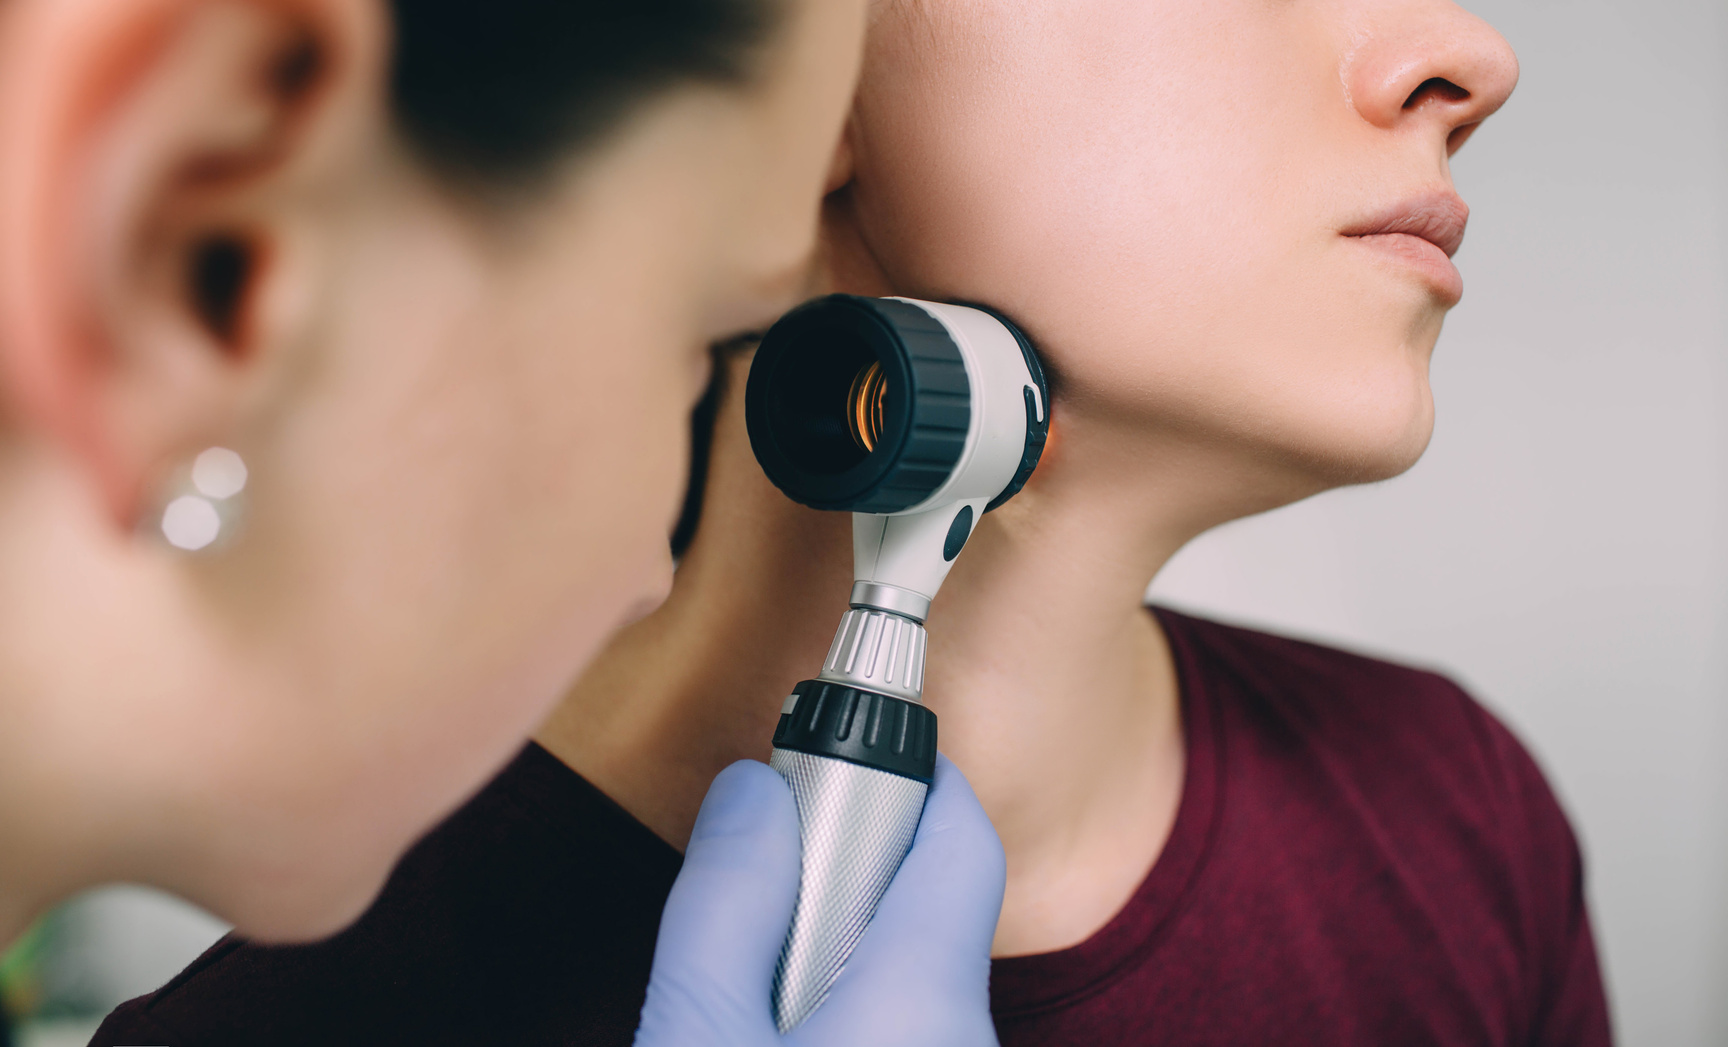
(1377, 439)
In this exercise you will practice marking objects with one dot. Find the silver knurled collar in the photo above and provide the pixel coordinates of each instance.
(877, 651)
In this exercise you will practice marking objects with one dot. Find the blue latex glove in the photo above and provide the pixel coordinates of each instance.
(920, 974)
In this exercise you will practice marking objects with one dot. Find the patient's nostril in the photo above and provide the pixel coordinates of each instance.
(1438, 88)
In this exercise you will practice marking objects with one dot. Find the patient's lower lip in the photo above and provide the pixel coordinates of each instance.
(1423, 256)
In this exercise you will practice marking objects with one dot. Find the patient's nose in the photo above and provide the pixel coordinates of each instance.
(1430, 63)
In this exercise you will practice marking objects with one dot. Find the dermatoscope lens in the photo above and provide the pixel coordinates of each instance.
(858, 404)
(866, 406)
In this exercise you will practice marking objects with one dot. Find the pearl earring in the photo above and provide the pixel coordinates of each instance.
(207, 506)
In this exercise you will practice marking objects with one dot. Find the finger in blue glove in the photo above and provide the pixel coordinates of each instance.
(920, 975)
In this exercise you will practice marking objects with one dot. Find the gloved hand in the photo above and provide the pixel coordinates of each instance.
(920, 975)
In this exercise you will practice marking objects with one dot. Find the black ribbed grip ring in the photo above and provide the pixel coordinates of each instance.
(863, 727)
(795, 400)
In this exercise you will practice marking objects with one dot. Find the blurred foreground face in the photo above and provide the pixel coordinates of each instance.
(1226, 221)
(463, 409)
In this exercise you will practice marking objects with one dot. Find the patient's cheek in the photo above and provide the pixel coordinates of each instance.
(1161, 217)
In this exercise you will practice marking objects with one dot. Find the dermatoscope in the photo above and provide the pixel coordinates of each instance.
(917, 417)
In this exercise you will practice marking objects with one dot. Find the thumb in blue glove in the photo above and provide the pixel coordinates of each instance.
(920, 974)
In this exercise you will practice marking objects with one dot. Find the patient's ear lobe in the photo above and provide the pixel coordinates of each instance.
(158, 163)
(840, 165)
(844, 261)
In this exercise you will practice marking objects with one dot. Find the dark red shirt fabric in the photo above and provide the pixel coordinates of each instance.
(1362, 856)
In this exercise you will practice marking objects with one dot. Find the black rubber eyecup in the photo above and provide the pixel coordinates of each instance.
(796, 404)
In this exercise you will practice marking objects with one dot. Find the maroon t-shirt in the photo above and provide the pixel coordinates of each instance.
(1362, 855)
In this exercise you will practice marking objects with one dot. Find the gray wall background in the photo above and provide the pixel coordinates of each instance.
(1563, 547)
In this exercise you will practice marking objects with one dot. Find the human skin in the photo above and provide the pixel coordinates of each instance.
(1226, 225)
(465, 417)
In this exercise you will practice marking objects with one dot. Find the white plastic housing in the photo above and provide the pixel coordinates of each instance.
(905, 548)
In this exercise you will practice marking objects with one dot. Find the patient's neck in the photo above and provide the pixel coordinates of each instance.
(1054, 688)
(1056, 695)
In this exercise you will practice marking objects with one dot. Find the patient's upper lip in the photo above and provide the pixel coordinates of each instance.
(1437, 217)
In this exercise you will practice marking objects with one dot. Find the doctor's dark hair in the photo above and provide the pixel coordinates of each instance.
(502, 89)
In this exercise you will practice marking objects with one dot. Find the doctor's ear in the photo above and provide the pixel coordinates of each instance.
(162, 164)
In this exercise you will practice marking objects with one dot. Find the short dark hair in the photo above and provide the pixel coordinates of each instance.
(502, 89)
(494, 89)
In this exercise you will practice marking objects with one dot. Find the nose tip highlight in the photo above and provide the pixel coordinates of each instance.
(1497, 71)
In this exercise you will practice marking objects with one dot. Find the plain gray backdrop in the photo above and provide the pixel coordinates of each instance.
(1562, 549)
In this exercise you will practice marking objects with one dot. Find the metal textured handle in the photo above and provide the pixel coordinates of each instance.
(856, 825)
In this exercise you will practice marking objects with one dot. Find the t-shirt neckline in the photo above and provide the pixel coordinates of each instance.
(1024, 985)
